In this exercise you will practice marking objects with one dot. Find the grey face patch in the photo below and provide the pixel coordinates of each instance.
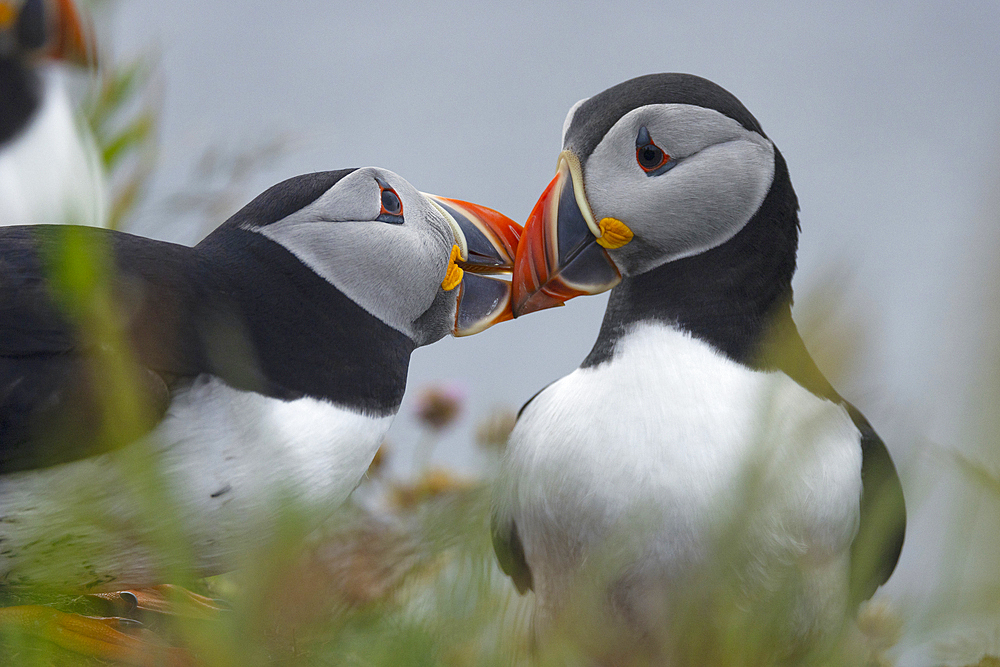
(722, 174)
(393, 271)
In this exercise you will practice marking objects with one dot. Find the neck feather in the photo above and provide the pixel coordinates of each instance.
(728, 296)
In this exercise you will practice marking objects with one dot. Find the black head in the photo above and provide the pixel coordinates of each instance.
(591, 118)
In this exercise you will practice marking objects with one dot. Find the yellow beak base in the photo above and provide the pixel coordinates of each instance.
(454, 275)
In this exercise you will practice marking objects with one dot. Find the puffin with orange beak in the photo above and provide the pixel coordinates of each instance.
(698, 432)
(263, 366)
(50, 168)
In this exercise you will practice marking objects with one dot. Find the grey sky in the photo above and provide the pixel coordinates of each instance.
(887, 114)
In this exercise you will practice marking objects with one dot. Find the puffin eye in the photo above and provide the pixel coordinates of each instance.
(391, 205)
(650, 157)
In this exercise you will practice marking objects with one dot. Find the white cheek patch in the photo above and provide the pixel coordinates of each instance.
(390, 271)
(721, 178)
(718, 192)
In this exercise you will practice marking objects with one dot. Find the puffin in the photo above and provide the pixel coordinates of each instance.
(50, 167)
(151, 391)
(697, 465)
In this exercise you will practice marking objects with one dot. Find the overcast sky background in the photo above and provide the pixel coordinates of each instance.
(888, 115)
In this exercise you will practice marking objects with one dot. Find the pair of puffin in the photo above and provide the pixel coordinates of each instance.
(697, 475)
(270, 358)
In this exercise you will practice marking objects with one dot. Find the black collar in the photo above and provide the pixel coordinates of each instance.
(268, 322)
(736, 297)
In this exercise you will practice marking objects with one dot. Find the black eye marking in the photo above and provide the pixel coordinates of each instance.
(391, 205)
(651, 158)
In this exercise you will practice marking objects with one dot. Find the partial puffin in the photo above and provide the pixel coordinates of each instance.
(698, 437)
(50, 167)
(264, 364)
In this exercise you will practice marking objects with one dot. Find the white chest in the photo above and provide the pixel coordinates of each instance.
(667, 446)
(227, 460)
(51, 173)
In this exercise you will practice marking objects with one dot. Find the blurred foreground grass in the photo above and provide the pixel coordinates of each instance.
(395, 585)
(404, 573)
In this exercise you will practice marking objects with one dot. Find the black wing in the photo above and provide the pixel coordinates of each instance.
(510, 552)
(80, 371)
(877, 545)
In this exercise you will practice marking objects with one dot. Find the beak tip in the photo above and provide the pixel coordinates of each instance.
(534, 302)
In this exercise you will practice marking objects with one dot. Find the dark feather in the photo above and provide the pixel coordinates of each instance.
(876, 548)
(510, 553)
(59, 366)
(599, 113)
(20, 97)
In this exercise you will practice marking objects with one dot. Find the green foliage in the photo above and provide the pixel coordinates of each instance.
(122, 112)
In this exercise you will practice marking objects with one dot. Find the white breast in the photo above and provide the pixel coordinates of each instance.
(51, 173)
(649, 458)
(231, 461)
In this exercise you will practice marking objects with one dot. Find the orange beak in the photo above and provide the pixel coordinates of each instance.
(72, 38)
(559, 257)
(488, 241)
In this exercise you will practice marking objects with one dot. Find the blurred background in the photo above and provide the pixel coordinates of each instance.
(888, 115)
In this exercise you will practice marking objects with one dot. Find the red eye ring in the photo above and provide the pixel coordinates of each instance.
(648, 155)
(395, 206)
(390, 204)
